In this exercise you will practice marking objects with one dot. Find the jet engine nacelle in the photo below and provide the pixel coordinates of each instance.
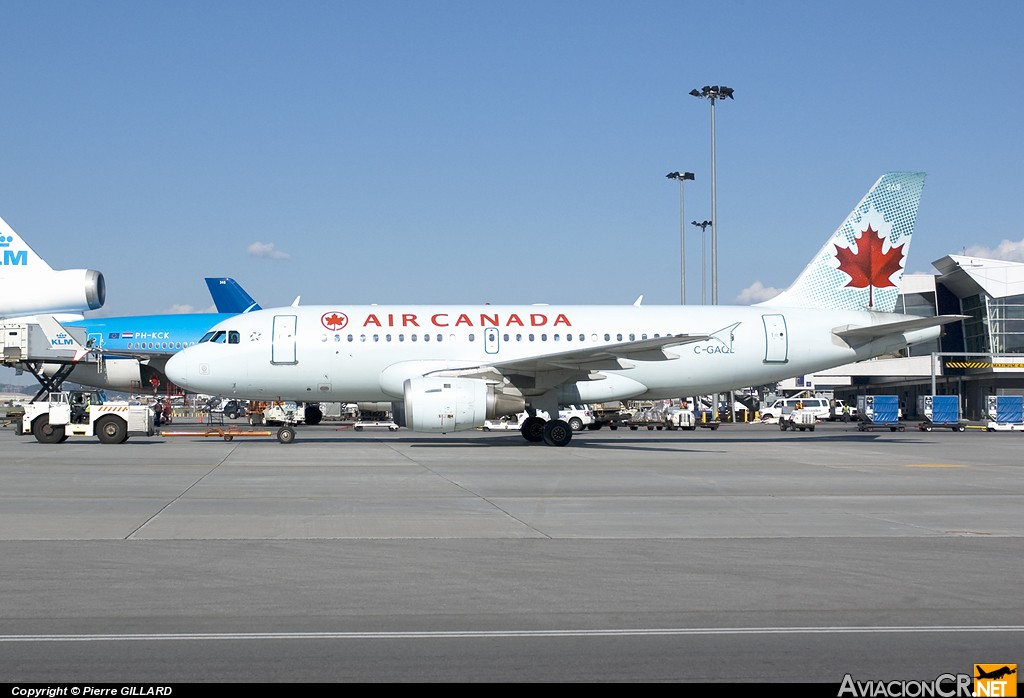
(439, 405)
(71, 291)
(117, 374)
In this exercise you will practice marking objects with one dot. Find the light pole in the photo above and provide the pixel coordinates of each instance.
(713, 93)
(682, 177)
(703, 264)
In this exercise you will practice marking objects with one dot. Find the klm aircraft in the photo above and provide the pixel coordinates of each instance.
(135, 348)
(29, 286)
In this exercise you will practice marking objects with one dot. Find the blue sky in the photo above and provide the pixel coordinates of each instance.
(472, 152)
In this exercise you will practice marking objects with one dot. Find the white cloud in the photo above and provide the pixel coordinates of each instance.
(1008, 250)
(265, 249)
(757, 292)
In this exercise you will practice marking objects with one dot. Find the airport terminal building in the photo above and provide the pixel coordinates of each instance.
(980, 356)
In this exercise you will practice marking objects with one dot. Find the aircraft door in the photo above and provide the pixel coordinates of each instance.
(492, 340)
(282, 350)
(776, 339)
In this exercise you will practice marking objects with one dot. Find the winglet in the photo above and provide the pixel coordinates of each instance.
(639, 300)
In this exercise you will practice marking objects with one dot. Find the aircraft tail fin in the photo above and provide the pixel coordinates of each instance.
(862, 264)
(16, 257)
(229, 296)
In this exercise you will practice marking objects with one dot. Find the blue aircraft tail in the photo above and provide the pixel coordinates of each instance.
(230, 297)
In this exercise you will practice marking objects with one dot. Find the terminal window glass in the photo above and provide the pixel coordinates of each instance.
(976, 325)
(1006, 324)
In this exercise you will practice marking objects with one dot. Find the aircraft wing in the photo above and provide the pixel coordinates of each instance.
(611, 356)
(866, 333)
(538, 373)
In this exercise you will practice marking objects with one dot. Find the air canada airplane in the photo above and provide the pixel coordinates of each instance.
(28, 286)
(448, 368)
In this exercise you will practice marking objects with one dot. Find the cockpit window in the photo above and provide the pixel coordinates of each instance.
(233, 337)
(219, 337)
(206, 337)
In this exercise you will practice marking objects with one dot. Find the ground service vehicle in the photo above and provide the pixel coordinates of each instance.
(814, 405)
(76, 413)
(798, 420)
(275, 414)
(578, 417)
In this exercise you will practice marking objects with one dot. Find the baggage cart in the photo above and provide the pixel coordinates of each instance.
(878, 411)
(940, 411)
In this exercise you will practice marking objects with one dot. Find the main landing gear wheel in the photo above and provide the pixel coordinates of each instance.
(532, 429)
(557, 433)
(286, 435)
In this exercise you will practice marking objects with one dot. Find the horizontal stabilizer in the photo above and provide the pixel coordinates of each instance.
(860, 334)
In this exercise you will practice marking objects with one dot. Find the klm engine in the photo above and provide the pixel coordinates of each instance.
(439, 405)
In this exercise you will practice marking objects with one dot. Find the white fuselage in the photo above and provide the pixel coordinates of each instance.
(331, 353)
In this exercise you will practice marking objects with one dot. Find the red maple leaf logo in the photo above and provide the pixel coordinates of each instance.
(869, 267)
(334, 321)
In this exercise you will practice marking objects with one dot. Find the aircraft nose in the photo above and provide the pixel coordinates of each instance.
(177, 369)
